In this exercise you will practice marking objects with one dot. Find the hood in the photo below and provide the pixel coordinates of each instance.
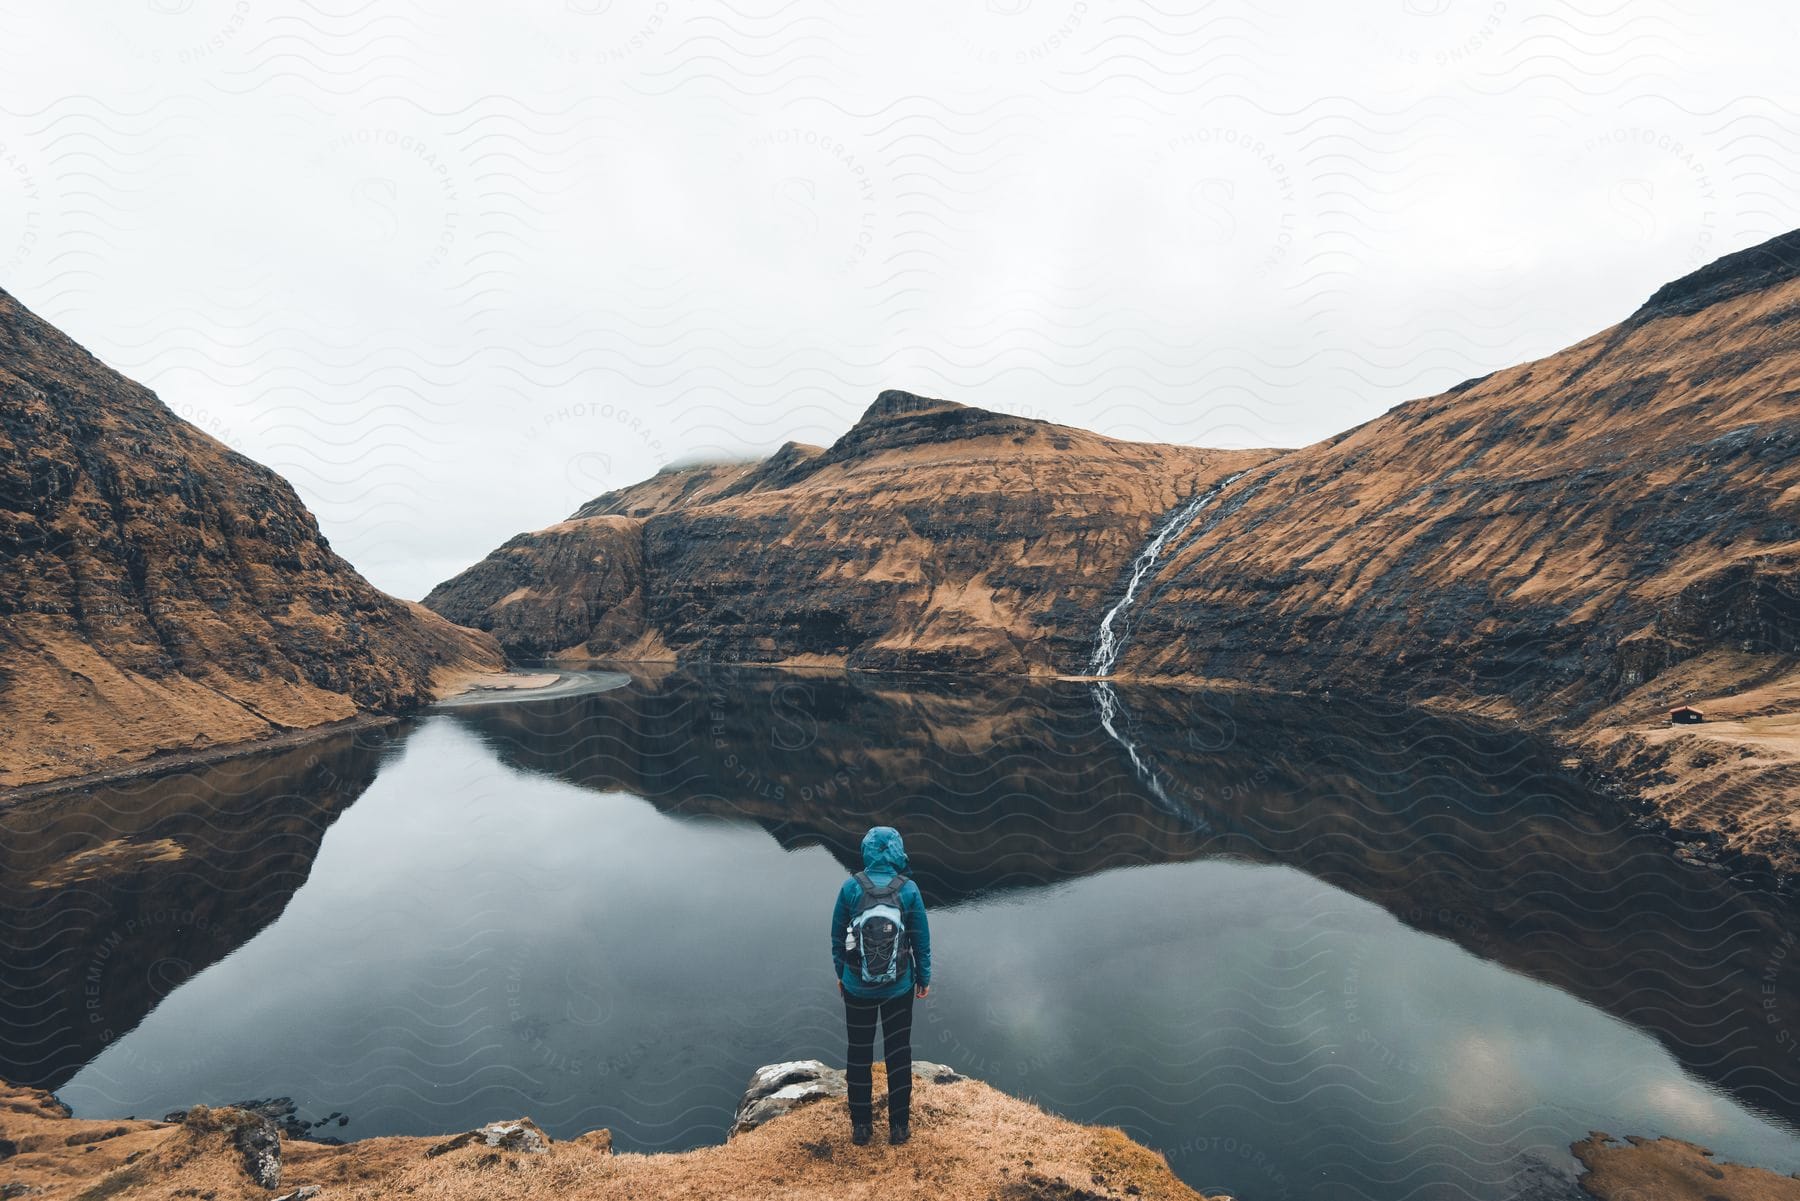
(883, 851)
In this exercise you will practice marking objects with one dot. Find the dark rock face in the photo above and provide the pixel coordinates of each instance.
(260, 1144)
(254, 1137)
(1765, 266)
(574, 588)
(162, 590)
(930, 537)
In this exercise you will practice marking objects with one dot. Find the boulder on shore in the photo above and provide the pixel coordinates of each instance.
(779, 1088)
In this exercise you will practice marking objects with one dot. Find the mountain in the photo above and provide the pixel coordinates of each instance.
(1554, 535)
(161, 592)
(1575, 544)
(931, 537)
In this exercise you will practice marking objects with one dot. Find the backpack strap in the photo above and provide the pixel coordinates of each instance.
(891, 888)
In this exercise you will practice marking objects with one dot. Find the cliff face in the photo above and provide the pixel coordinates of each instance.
(161, 591)
(931, 536)
(1549, 538)
(1580, 543)
(1554, 535)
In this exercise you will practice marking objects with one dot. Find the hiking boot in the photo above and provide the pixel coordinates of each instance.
(861, 1133)
(899, 1133)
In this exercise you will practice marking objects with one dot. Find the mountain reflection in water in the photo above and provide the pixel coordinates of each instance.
(500, 925)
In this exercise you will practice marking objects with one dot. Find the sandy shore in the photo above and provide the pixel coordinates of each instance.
(510, 686)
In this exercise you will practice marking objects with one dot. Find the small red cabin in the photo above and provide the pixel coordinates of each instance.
(1686, 715)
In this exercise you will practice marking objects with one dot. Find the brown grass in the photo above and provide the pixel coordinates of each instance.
(1668, 1169)
(969, 1140)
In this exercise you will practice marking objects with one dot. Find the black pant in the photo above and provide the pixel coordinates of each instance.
(896, 1043)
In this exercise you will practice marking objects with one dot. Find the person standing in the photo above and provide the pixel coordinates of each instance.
(881, 950)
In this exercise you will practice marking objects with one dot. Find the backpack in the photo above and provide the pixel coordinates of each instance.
(875, 944)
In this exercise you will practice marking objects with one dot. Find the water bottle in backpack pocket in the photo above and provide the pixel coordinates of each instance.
(875, 944)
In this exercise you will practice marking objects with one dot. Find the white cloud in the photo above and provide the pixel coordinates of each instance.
(454, 273)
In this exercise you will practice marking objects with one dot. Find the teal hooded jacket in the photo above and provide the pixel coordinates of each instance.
(884, 857)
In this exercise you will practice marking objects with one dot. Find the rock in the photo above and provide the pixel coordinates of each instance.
(280, 1110)
(304, 1193)
(936, 1073)
(254, 1135)
(520, 1135)
(779, 1088)
(258, 1142)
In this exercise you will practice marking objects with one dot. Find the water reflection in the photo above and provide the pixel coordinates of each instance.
(500, 924)
(115, 896)
(1471, 833)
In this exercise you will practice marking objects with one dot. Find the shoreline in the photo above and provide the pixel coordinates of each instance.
(789, 1135)
(499, 688)
(164, 763)
(1614, 759)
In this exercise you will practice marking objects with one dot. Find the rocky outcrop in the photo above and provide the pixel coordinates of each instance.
(777, 1089)
(522, 1135)
(1669, 1169)
(164, 592)
(252, 1135)
(968, 1141)
(574, 588)
(931, 537)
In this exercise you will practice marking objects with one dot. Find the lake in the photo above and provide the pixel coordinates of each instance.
(1307, 949)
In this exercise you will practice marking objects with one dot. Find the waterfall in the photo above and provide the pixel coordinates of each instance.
(1113, 717)
(1109, 645)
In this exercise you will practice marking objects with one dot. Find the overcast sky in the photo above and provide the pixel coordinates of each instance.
(453, 275)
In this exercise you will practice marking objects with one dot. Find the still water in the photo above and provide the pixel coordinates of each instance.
(1308, 950)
